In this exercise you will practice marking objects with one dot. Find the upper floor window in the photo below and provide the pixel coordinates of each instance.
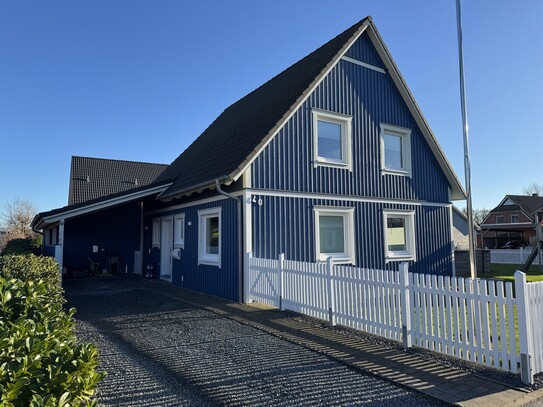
(332, 139)
(499, 219)
(399, 235)
(395, 150)
(334, 234)
(514, 218)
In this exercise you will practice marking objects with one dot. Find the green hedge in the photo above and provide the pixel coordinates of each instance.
(29, 245)
(41, 362)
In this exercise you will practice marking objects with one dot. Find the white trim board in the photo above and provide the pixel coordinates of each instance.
(306, 195)
(364, 64)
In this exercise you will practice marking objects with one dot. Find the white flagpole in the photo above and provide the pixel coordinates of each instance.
(467, 164)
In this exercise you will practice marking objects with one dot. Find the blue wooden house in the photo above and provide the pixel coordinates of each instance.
(331, 157)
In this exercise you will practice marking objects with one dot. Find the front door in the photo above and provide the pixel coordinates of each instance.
(166, 246)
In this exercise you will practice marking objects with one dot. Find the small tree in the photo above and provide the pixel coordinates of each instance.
(533, 188)
(16, 217)
(478, 215)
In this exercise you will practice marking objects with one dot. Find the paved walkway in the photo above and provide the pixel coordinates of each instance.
(444, 383)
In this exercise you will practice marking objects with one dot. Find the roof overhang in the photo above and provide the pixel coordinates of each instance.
(45, 219)
(168, 195)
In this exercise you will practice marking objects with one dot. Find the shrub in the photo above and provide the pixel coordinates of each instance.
(29, 245)
(41, 362)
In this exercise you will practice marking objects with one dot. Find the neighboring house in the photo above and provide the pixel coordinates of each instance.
(511, 220)
(92, 178)
(332, 157)
(460, 229)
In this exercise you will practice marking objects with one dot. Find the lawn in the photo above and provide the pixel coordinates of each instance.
(506, 272)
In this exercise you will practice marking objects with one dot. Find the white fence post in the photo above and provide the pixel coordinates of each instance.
(405, 301)
(524, 328)
(246, 276)
(330, 285)
(281, 268)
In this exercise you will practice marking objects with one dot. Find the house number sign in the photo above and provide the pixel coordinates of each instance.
(259, 201)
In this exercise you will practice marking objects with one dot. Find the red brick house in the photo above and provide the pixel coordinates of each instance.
(511, 220)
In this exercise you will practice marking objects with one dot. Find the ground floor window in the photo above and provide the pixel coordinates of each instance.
(209, 237)
(334, 234)
(399, 235)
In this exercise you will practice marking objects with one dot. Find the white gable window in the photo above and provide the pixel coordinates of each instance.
(399, 235)
(395, 150)
(331, 139)
(209, 237)
(179, 231)
(334, 234)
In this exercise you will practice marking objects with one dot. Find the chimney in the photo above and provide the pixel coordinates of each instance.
(535, 194)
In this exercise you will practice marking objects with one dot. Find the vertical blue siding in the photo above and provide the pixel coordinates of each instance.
(115, 231)
(286, 225)
(370, 98)
(186, 272)
(364, 51)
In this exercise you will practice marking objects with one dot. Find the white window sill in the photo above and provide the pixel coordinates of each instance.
(179, 246)
(338, 259)
(323, 162)
(386, 171)
(407, 257)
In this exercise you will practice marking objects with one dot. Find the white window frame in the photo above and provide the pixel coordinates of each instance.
(203, 257)
(410, 253)
(155, 239)
(347, 213)
(405, 135)
(179, 231)
(346, 135)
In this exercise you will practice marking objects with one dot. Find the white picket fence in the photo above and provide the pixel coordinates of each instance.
(502, 256)
(470, 319)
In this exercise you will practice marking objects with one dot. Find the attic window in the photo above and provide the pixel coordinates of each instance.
(395, 150)
(332, 139)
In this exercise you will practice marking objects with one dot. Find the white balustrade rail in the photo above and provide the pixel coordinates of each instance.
(473, 320)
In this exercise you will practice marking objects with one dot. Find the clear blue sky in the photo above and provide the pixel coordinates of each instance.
(139, 80)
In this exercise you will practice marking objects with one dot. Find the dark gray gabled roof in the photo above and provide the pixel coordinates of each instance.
(225, 149)
(92, 178)
(239, 132)
(527, 203)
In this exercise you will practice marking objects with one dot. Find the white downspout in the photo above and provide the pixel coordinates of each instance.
(240, 238)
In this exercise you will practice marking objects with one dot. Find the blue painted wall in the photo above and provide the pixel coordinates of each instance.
(371, 98)
(115, 231)
(186, 272)
(286, 225)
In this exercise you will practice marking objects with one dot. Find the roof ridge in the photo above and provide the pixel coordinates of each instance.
(118, 160)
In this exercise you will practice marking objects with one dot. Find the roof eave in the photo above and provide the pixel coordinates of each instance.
(42, 220)
(168, 195)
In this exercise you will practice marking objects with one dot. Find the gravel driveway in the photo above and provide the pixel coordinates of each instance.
(161, 351)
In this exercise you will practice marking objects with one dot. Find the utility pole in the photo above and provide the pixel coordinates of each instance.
(467, 164)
